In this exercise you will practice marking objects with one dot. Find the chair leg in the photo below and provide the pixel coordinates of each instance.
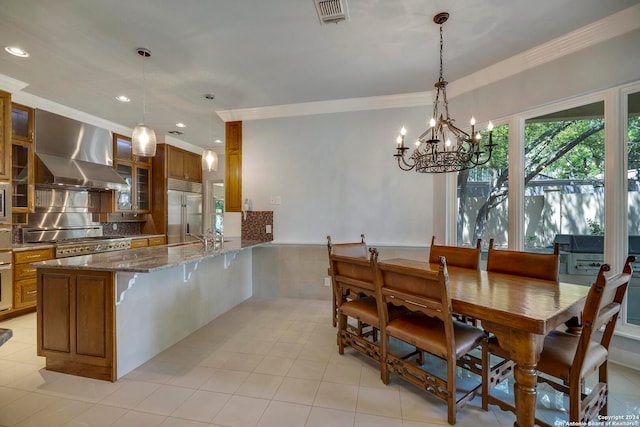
(334, 314)
(342, 326)
(486, 366)
(603, 379)
(575, 401)
(451, 390)
(384, 367)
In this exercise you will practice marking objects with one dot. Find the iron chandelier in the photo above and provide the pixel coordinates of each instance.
(444, 147)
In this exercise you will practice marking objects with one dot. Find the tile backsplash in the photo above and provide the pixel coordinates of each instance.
(254, 227)
(122, 228)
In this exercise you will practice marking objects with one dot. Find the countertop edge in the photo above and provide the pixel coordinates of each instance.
(149, 258)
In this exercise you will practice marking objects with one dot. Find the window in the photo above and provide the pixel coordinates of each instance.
(482, 197)
(564, 185)
(216, 207)
(633, 197)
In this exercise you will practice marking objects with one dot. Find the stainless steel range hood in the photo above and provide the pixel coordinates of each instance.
(73, 154)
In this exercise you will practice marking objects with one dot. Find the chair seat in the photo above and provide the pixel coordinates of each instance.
(362, 309)
(366, 310)
(558, 353)
(427, 333)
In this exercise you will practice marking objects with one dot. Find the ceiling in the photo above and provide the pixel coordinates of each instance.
(252, 54)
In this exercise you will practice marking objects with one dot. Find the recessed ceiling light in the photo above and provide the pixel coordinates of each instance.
(175, 132)
(16, 51)
(218, 141)
(122, 98)
(181, 125)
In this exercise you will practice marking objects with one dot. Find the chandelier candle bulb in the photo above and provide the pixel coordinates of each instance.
(450, 149)
(490, 129)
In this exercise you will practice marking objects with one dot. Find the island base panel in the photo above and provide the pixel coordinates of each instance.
(106, 373)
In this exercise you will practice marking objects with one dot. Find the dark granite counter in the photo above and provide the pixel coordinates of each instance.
(148, 259)
(5, 334)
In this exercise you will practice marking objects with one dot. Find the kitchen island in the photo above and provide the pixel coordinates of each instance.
(103, 315)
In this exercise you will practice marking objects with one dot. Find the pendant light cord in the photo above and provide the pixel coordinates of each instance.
(144, 89)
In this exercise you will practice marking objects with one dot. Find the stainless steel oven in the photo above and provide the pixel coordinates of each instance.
(6, 279)
(5, 203)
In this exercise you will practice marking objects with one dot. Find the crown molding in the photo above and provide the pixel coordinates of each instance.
(597, 32)
(11, 85)
(324, 107)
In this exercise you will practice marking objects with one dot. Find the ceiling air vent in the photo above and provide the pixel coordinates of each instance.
(332, 11)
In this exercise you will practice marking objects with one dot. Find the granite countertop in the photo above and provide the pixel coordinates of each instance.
(147, 259)
(17, 247)
(5, 334)
(143, 236)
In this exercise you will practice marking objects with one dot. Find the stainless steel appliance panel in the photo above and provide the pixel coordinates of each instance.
(193, 212)
(6, 281)
(6, 278)
(184, 215)
(5, 203)
(6, 238)
(174, 217)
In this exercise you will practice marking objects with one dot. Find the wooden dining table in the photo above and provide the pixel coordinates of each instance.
(519, 310)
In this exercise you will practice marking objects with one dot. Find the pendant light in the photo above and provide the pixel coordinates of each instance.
(209, 156)
(143, 139)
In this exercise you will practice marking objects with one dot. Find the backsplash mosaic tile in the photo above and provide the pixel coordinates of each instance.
(122, 228)
(254, 227)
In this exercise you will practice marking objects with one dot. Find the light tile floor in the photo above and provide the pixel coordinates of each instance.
(266, 363)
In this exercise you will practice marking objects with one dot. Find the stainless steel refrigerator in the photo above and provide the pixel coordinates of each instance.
(184, 210)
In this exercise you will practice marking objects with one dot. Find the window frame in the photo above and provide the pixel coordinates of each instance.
(615, 173)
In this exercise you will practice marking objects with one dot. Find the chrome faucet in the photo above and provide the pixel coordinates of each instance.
(218, 237)
(206, 239)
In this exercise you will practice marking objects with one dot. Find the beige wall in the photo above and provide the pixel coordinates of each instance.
(298, 271)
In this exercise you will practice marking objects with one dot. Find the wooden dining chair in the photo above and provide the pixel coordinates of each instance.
(536, 265)
(355, 298)
(457, 257)
(567, 359)
(429, 327)
(353, 249)
(354, 277)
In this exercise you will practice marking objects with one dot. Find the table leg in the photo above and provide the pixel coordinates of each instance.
(524, 349)
(525, 393)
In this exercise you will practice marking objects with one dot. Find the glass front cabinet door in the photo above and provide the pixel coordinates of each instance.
(22, 158)
(136, 171)
(21, 179)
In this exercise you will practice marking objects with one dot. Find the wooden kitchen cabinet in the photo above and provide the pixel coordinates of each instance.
(233, 167)
(22, 179)
(22, 119)
(24, 276)
(184, 165)
(139, 243)
(136, 171)
(76, 322)
(22, 158)
(5, 134)
(157, 241)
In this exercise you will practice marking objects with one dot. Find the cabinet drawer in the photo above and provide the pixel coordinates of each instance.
(32, 256)
(139, 243)
(155, 241)
(25, 293)
(23, 271)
